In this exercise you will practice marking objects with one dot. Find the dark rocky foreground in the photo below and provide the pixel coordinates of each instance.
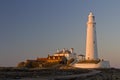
(58, 74)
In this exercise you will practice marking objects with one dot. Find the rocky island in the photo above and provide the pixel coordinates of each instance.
(61, 73)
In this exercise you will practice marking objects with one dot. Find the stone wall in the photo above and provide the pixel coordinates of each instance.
(101, 64)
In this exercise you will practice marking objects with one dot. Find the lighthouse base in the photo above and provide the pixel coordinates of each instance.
(101, 64)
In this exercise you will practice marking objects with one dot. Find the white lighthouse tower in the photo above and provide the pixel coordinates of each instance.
(91, 42)
(91, 58)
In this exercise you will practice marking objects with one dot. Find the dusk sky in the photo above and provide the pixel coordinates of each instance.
(36, 28)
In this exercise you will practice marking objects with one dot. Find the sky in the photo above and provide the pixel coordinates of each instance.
(36, 28)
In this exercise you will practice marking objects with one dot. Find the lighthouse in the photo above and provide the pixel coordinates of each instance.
(91, 58)
(91, 41)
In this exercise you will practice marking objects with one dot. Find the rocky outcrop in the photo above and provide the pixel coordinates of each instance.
(105, 74)
(78, 74)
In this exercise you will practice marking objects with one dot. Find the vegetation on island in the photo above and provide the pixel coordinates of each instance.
(36, 64)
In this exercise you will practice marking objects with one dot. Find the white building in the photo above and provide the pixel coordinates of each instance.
(91, 58)
(67, 53)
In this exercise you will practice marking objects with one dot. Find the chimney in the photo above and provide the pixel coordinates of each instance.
(72, 50)
(58, 50)
(63, 50)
